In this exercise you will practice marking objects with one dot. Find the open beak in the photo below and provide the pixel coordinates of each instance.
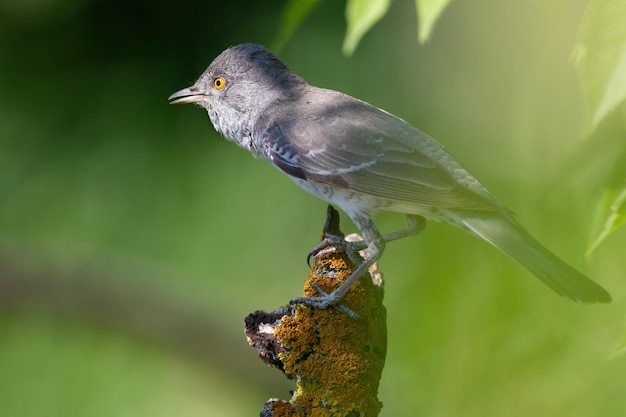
(186, 95)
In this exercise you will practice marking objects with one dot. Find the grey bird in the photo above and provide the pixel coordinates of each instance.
(363, 160)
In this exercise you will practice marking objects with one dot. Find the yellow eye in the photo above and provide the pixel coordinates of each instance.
(219, 83)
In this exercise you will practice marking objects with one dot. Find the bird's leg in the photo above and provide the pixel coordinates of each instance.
(414, 226)
(375, 243)
(333, 243)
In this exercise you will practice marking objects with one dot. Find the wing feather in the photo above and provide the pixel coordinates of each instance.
(362, 148)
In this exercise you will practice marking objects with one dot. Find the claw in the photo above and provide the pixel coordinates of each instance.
(329, 244)
(337, 243)
(320, 250)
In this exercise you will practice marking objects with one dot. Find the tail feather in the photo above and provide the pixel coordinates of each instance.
(511, 238)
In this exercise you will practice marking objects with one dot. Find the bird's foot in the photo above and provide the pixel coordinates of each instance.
(337, 244)
(324, 300)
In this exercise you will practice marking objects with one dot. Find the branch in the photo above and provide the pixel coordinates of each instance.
(336, 360)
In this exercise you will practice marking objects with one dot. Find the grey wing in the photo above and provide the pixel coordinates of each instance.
(365, 149)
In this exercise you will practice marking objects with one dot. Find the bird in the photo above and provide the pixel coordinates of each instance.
(363, 160)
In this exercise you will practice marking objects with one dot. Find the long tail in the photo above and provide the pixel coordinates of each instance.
(507, 235)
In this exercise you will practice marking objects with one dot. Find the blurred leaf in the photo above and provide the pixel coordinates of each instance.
(294, 12)
(428, 11)
(600, 54)
(613, 209)
(361, 16)
(620, 348)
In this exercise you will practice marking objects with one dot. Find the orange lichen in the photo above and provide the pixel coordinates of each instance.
(335, 359)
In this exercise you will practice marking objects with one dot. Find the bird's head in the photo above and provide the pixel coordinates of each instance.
(238, 87)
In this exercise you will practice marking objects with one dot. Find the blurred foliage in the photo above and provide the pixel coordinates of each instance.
(600, 55)
(620, 346)
(133, 240)
(428, 11)
(616, 217)
(361, 15)
(293, 14)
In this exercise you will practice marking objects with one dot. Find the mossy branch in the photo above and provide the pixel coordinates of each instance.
(336, 360)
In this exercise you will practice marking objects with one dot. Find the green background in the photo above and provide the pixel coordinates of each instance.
(134, 240)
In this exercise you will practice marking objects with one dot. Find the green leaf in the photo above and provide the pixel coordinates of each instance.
(361, 16)
(600, 54)
(293, 13)
(428, 12)
(613, 210)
